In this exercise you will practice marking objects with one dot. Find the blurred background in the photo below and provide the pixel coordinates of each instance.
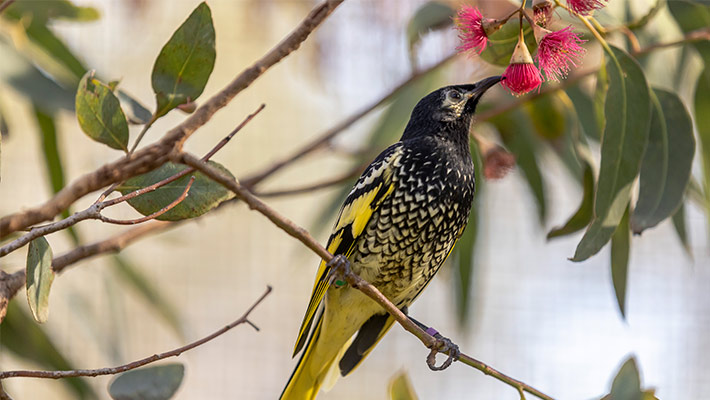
(529, 312)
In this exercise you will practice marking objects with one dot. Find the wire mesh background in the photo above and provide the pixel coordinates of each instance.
(535, 316)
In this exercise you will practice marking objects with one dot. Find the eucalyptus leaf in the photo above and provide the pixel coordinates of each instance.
(584, 213)
(39, 278)
(150, 383)
(43, 10)
(99, 113)
(185, 63)
(692, 16)
(401, 387)
(502, 42)
(136, 112)
(515, 130)
(585, 109)
(620, 244)
(681, 229)
(432, 15)
(666, 166)
(627, 382)
(204, 195)
(627, 113)
(547, 115)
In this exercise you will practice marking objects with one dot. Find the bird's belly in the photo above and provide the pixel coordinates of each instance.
(405, 246)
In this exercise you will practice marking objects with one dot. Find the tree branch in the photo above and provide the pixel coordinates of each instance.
(139, 363)
(155, 155)
(354, 280)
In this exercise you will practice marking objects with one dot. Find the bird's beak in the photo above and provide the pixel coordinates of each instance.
(482, 86)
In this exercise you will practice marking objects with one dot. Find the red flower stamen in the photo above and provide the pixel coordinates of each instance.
(557, 51)
(469, 23)
(585, 7)
(521, 76)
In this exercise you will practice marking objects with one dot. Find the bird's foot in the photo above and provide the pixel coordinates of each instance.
(443, 345)
(339, 269)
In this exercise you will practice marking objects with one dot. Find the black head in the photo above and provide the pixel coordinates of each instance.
(446, 109)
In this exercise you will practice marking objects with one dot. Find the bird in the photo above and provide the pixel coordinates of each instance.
(396, 228)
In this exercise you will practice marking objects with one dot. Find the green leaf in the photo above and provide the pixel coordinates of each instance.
(501, 43)
(692, 16)
(401, 387)
(136, 112)
(627, 112)
(25, 78)
(99, 113)
(620, 243)
(702, 122)
(131, 276)
(681, 230)
(585, 108)
(627, 383)
(666, 165)
(204, 195)
(43, 10)
(53, 160)
(548, 116)
(151, 383)
(20, 335)
(186, 61)
(39, 278)
(514, 128)
(433, 15)
(584, 213)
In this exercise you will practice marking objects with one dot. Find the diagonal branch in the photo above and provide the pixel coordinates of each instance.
(304, 237)
(155, 155)
(244, 319)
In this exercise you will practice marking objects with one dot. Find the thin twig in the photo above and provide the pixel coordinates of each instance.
(139, 363)
(354, 172)
(354, 280)
(153, 215)
(690, 37)
(94, 211)
(328, 135)
(155, 155)
(5, 5)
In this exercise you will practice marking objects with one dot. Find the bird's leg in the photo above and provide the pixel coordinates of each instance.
(444, 345)
(339, 269)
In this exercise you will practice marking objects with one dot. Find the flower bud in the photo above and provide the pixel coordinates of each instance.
(521, 76)
(542, 12)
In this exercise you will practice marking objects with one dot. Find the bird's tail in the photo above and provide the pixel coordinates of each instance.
(316, 367)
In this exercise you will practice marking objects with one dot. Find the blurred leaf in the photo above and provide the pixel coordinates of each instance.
(186, 61)
(620, 243)
(514, 129)
(204, 195)
(28, 340)
(681, 230)
(599, 98)
(133, 277)
(692, 16)
(584, 107)
(547, 115)
(584, 213)
(99, 113)
(433, 15)
(401, 387)
(464, 259)
(25, 78)
(702, 122)
(666, 165)
(627, 383)
(150, 383)
(39, 278)
(501, 43)
(135, 111)
(42, 10)
(627, 111)
(53, 160)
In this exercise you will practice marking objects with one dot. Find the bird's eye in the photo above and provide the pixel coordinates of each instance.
(455, 95)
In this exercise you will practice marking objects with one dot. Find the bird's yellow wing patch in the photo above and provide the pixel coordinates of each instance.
(369, 192)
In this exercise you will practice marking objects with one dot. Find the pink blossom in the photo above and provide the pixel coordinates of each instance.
(497, 163)
(585, 7)
(521, 76)
(472, 34)
(557, 50)
(542, 12)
